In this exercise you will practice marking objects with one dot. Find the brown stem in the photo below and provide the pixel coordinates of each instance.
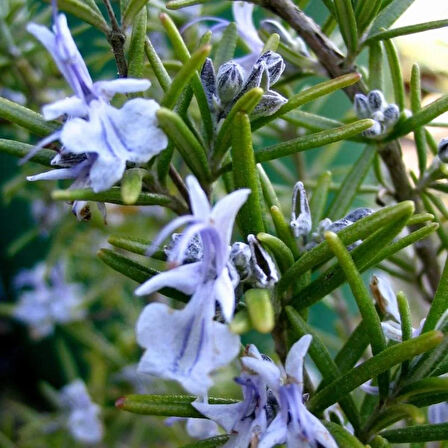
(336, 65)
(116, 38)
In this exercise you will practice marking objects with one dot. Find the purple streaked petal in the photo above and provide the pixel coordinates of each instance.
(105, 172)
(183, 278)
(295, 358)
(438, 413)
(199, 202)
(226, 415)
(60, 174)
(319, 432)
(242, 13)
(225, 211)
(268, 371)
(72, 106)
(168, 230)
(107, 89)
(185, 345)
(44, 142)
(275, 434)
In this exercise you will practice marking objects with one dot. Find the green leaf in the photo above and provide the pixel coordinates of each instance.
(406, 324)
(418, 433)
(225, 48)
(366, 256)
(178, 4)
(440, 302)
(309, 94)
(182, 53)
(389, 15)
(185, 141)
(282, 253)
(396, 75)
(20, 150)
(136, 271)
(363, 299)
(374, 366)
(133, 8)
(250, 217)
(131, 185)
(246, 104)
(85, 13)
(269, 194)
(319, 198)
(341, 436)
(347, 24)
(212, 442)
(112, 196)
(28, 119)
(359, 230)
(352, 181)
(136, 53)
(283, 230)
(426, 114)
(376, 58)
(321, 357)
(136, 245)
(165, 405)
(157, 66)
(312, 141)
(411, 29)
(313, 122)
(366, 12)
(184, 76)
(419, 133)
(395, 413)
(422, 387)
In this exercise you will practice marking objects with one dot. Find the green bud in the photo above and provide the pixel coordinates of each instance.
(260, 310)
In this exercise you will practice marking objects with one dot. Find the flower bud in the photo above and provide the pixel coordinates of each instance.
(229, 81)
(192, 253)
(358, 213)
(274, 64)
(443, 150)
(338, 225)
(264, 272)
(375, 131)
(391, 114)
(240, 256)
(255, 77)
(361, 104)
(208, 80)
(300, 214)
(260, 310)
(269, 104)
(376, 100)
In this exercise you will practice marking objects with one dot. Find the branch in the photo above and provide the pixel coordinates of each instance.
(336, 65)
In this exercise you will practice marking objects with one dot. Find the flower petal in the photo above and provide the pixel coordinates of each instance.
(267, 370)
(275, 434)
(198, 199)
(184, 278)
(225, 295)
(107, 89)
(137, 129)
(63, 173)
(225, 415)
(185, 345)
(296, 355)
(104, 173)
(224, 212)
(72, 106)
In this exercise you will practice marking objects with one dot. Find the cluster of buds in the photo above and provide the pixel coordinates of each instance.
(231, 83)
(248, 263)
(301, 222)
(374, 106)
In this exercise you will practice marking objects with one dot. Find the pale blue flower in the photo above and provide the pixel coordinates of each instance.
(186, 345)
(105, 137)
(45, 303)
(292, 425)
(83, 419)
(198, 428)
(438, 413)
